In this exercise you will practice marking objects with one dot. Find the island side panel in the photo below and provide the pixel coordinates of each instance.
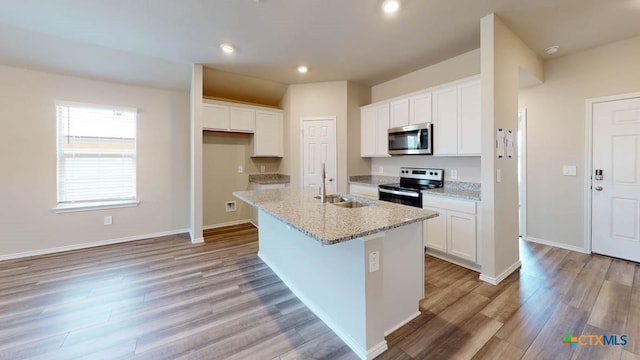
(329, 279)
(403, 261)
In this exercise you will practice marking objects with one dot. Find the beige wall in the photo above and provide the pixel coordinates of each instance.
(357, 96)
(556, 134)
(222, 153)
(28, 158)
(456, 68)
(503, 57)
(315, 100)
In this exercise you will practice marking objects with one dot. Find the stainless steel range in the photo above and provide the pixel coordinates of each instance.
(412, 182)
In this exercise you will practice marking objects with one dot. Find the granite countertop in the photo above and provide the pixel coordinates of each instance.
(269, 179)
(328, 223)
(457, 189)
(373, 180)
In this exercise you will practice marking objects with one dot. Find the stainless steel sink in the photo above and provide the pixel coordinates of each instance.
(346, 201)
(353, 204)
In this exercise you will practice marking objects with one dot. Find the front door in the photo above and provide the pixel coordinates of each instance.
(615, 185)
(319, 146)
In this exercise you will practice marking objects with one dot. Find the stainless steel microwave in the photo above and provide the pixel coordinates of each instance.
(411, 140)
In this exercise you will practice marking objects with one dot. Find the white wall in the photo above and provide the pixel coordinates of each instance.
(314, 100)
(28, 158)
(461, 66)
(503, 57)
(556, 134)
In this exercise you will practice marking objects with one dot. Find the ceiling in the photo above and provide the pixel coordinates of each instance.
(154, 42)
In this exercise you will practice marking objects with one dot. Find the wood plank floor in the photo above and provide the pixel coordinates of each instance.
(165, 298)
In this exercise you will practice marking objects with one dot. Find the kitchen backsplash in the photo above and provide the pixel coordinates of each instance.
(467, 167)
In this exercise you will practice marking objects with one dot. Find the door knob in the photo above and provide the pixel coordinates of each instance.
(598, 188)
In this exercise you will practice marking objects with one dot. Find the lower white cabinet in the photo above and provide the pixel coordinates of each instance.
(454, 230)
(365, 191)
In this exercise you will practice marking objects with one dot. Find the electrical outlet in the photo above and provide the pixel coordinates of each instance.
(374, 261)
(263, 168)
(498, 175)
(240, 169)
(230, 206)
(454, 174)
(380, 169)
(108, 220)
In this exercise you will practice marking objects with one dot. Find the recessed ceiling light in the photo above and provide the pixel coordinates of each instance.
(303, 69)
(391, 6)
(227, 48)
(552, 49)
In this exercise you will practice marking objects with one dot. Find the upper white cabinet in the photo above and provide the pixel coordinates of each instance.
(267, 139)
(215, 117)
(420, 108)
(413, 109)
(374, 123)
(456, 118)
(399, 113)
(224, 117)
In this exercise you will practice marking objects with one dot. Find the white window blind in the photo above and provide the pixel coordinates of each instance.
(96, 153)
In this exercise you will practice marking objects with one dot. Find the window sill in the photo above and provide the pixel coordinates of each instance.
(90, 206)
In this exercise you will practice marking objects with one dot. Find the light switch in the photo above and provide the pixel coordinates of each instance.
(454, 174)
(498, 175)
(240, 169)
(374, 261)
(569, 170)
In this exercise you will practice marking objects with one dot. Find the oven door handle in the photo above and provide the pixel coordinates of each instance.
(400, 193)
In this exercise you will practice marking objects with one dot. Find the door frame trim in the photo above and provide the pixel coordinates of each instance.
(588, 159)
(334, 119)
(522, 188)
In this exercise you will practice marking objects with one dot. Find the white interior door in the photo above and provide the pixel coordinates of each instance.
(615, 199)
(319, 146)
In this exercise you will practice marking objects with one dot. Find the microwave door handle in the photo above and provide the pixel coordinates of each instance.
(419, 139)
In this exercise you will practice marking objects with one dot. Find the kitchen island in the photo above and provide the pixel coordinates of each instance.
(360, 270)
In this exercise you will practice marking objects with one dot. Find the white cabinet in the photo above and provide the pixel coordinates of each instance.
(374, 123)
(456, 118)
(223, 117)
(268, 137)
(242, 119)
(215, 117)
(420, 108)
(454, 230)
(399, 113)
(365, 191)
(414, 109)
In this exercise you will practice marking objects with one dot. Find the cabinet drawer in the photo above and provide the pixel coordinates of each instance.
(463, 206)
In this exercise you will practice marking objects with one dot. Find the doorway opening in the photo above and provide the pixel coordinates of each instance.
(522, 173)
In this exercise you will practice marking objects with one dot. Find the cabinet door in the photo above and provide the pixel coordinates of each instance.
(435, 230)
(445, 119)
(461, 229)
(469, 114)
(267, 139)
(382, 135)
(242, 119)
(215, 117)
(368, 120)
(420, 108)
(399, 113)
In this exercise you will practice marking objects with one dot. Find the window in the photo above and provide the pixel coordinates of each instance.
(96, 153)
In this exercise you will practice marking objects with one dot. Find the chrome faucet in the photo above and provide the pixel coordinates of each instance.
(323, 186)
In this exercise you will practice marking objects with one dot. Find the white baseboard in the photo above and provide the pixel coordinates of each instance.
(454, 260)
(502, 276)
(229, 223)
(557, 244)
(361, 352)
(90, 245)
(401, 323)
(377, 349)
